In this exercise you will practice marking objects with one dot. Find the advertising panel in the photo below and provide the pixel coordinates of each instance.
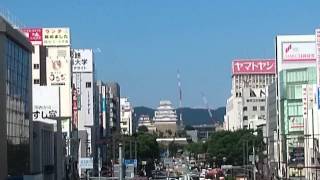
(56, 36)
(298, 52)
(34, 35)
(74, 108)
(318, 55)
(45, 102)
(82, 60)
(104, 121)
(263, 66)
(78, 88)
(58, 71)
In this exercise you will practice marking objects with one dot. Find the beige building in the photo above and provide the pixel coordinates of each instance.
(165, 118)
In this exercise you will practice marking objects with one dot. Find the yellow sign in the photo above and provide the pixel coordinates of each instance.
(56, 36)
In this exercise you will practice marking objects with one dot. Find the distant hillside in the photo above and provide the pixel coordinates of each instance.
(190, 116)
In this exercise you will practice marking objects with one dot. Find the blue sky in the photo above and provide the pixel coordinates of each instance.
(144, 42)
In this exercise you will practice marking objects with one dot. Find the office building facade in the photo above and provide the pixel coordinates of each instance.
(297, 117)
(246, 108)
(126, 117)
(16, 97)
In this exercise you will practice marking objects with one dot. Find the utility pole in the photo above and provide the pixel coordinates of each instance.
(120, 162)
(253, 163)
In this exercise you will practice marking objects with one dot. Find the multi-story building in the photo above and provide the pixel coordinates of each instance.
(272, 128)
(165, 118)
(16, 98)
(246, 106)
(144, 120)
(113, 104)
(51, 71)
(298, 125)
(204, 131)
(107, 123)
(83, 81)
(126, 117)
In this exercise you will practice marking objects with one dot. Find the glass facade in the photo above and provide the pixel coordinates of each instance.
(17, 107)
(291, 82)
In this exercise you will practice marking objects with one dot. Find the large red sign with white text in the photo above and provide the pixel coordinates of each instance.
(254, 66)
(34, 35)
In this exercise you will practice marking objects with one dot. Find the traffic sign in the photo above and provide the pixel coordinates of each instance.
(86, 163)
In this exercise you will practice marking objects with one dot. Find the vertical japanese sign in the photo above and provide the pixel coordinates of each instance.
(45, 102)
(318, 63)
(74, 108)
(104, 103)
(305, 104)
(78, 88)
(82, 60)
(34, 35)
(56, 36)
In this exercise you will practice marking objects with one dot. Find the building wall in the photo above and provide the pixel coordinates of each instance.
(126, 113)
(44, 147)
(16, 95)
(292, 76)
(272, 126)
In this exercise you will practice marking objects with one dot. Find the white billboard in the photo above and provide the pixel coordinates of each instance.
(82, 60)
(298, 52)
(56, 36)
(45, 102)
(58, 71)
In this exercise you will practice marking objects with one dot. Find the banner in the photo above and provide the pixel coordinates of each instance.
(298, 52)
(56, 36)
(58, 71)
(82, 60)
(262, 66)
(34, 35)
(45, 101)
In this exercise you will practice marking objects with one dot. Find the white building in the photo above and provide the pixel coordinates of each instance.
(165, 118)
(246, 106)
(51, 69)
(126, 116)
(144, 120)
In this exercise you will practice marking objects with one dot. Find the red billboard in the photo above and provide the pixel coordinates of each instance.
(254, 66)
(34, 35)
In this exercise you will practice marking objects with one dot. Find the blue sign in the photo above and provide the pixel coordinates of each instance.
(318, 98)
(131, 161)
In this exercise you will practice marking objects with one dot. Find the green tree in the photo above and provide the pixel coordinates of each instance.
(148, 147)
(230, 145)
(142, 129)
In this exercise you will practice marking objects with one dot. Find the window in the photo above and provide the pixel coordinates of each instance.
(245, 108)
(36, 81)
(245, 117)
(262, 108)
(36, 66)
(254, 108)
(88, 84)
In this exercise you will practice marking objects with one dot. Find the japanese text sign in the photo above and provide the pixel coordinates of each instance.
(34, 35)
(82, 60)
(56, 36)
(298, 52)
(262, 66)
